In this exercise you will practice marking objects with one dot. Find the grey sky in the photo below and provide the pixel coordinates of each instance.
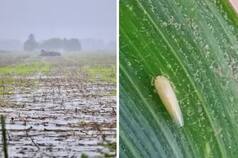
(62, 18)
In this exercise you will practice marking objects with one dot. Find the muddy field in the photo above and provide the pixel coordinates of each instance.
(59, 115)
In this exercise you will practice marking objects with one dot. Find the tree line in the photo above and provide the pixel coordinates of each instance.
(56, 44)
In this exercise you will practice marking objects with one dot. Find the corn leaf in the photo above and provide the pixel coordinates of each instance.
(194, 43)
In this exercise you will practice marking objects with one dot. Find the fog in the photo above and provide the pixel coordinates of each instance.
(86, 20)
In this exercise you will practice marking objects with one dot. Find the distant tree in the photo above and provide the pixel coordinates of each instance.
(72, 45)
(30, 44)
(53, 44)
(57, 44)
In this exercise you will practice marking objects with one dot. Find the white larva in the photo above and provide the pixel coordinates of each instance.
(168, 97)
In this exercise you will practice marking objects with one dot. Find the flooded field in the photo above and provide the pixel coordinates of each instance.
(61, 113)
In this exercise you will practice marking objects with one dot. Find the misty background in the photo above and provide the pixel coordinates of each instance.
(91, 22)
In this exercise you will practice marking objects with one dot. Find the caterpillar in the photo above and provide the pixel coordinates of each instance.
(169, 99)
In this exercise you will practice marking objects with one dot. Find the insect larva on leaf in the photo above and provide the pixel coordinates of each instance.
(168, 97)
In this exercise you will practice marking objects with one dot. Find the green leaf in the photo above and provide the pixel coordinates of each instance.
(194, 43)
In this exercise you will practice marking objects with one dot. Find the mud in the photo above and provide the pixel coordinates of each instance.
(60, 116)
